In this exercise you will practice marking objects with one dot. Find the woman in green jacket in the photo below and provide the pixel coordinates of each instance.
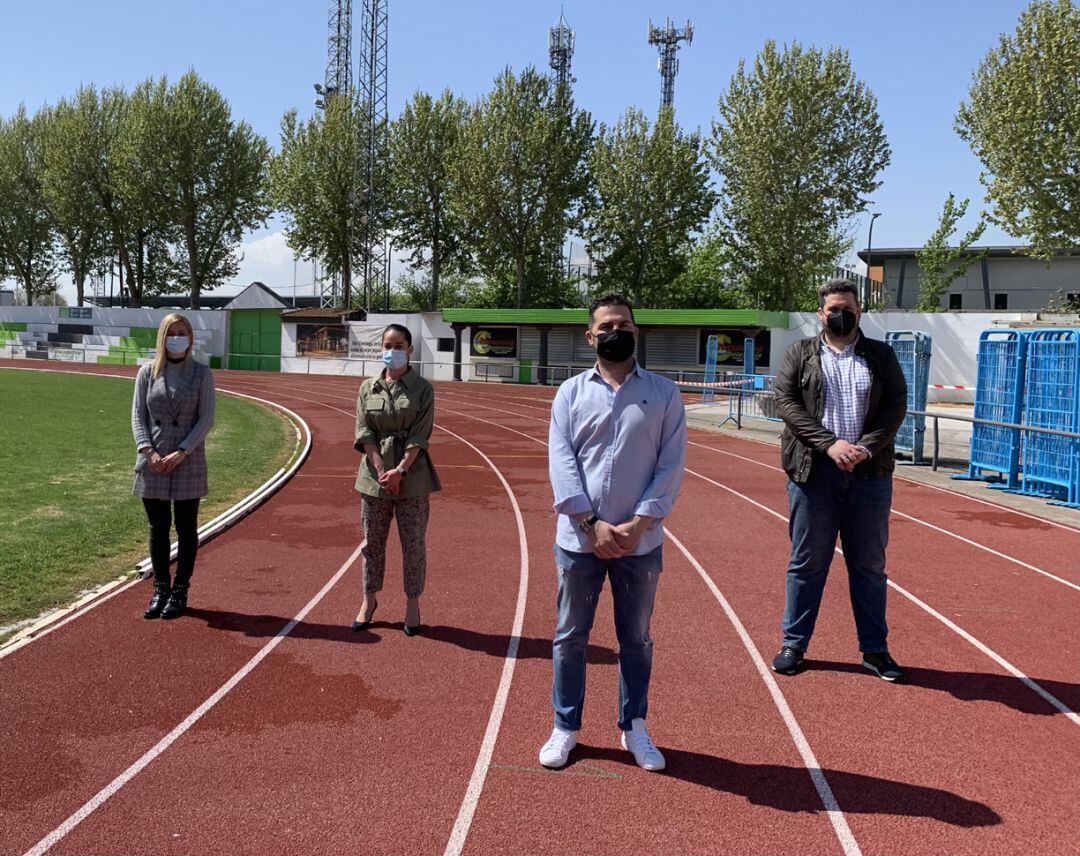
(395, 413)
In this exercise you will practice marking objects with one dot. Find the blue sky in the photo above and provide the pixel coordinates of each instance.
(917, 57)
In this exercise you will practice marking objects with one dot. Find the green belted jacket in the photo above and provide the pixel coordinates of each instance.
(395, 415)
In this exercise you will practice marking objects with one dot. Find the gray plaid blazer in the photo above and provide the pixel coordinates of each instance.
(171, 419)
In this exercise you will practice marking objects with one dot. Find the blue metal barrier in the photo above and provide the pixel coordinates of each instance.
(1051, 465)
(999, 397)
(712, 348)
(912, 349)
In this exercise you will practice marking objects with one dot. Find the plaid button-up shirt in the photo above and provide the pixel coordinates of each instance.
(846, 380)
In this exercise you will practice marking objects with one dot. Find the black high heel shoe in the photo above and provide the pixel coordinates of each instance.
(363, 625)
(413, 629)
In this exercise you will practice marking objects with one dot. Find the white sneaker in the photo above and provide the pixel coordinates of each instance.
(557, 749)
(638, 742)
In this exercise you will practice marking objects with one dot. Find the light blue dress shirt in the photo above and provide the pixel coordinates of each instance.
(616, 453)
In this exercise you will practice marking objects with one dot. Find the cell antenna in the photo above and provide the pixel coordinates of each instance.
(667, 39)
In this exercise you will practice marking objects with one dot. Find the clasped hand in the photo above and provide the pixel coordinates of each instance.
(390, 481)
(614, 542)
(846, 456)
(164, 465)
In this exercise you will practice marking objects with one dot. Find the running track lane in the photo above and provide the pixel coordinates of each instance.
(768, 779)
(314, 689)
(526, 809)
(1001, 743)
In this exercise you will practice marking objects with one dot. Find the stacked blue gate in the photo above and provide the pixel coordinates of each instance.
(1051, 464)
(999, 397)
(912, 349)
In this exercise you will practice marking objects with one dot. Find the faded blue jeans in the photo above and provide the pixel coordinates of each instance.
(830, 503)
(633, 588)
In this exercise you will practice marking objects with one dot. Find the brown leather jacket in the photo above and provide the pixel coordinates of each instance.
(800, 402)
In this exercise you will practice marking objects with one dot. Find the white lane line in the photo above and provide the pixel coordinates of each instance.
(954, 493)
(1037, 688)
(208, 530)
(828, 799)
(985, 649)
(957, 536)
(131, 772)
(473, 790)
(487, 746)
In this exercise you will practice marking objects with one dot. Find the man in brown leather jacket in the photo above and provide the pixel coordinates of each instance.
(842, 397)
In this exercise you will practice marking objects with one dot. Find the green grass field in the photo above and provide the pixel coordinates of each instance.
(68, 521)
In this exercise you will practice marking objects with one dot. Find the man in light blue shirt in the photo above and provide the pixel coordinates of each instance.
(617, 445)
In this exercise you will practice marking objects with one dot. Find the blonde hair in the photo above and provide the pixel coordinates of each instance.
(162, 332)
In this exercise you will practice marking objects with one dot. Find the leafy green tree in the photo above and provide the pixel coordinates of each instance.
(423, 144)
(27, 239)
(207, 173)
(520, 168)
(313, 182)
(650, 192)
(70, 197)
(89, 150)
(940, 263)
(798, 147)
(706, 281)
(1023, 122)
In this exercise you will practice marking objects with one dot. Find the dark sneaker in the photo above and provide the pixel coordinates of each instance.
(884, 666)
(787, 662)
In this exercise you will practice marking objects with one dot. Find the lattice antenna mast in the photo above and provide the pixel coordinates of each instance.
(561, 51)
(337, 83)
(667, 39)
(373, 128)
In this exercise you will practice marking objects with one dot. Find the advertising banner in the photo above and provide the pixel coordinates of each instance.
(494, 342)
(730, 352)
(322, 341)
(365, 342)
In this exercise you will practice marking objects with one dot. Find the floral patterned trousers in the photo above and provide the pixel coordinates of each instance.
(412, 518)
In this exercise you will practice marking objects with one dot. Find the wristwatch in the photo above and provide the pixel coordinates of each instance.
(588, 523)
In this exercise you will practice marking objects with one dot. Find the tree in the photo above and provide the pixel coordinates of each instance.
(940, 263)
(521, 172)
(207, 173)
(650, 192)
(27, 238)
(798, 147)
(70, 197)
(92, 150)
(705, 281)
(312, 182)
(423, 145)
(1023, 123)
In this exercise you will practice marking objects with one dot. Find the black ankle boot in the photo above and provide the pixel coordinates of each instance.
(157, 600)
(177, 602)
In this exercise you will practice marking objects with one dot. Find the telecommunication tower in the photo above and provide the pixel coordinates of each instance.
(337, 83)
(372, 168)
(667, 38)
(560, 51)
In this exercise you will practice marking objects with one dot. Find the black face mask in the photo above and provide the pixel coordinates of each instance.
(842, 322)
(615, 346)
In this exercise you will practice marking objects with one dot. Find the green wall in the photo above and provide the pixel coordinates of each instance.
(255, 340)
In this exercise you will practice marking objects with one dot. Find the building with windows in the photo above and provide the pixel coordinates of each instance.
(1003, 279)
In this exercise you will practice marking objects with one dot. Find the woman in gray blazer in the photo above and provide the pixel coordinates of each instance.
(171, 415)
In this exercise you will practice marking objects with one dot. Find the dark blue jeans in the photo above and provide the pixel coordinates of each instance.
(633, 588)
(833, 502)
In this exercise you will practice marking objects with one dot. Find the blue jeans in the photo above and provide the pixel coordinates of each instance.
(633, 588)
(833, 502)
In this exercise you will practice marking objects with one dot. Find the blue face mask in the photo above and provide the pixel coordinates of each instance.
(176, 344)
(395, 358)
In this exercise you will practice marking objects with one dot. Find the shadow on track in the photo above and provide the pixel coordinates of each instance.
(491, 644)
(790, 788)
(974, 686)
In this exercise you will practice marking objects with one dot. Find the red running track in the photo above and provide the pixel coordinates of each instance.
(332, 741)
